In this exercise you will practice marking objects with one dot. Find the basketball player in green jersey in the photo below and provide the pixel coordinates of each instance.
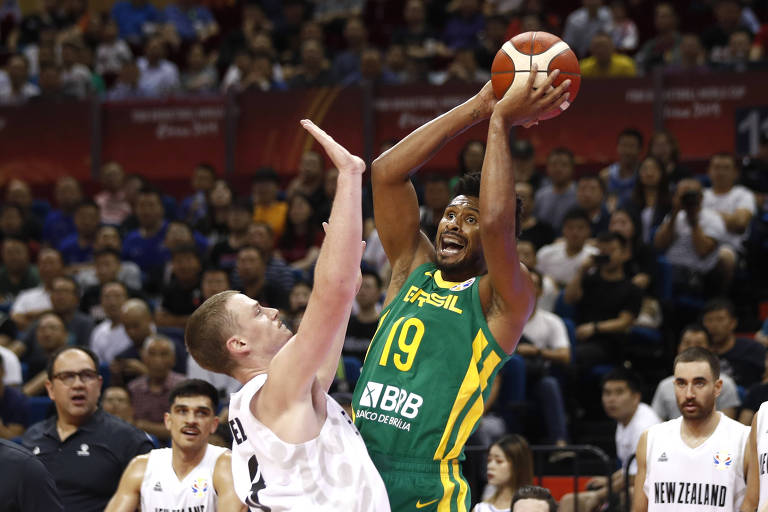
(454, 310)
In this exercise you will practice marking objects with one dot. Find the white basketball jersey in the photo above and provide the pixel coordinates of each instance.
(709, 477)
(761, 437)
(330, 473)
(162, 491)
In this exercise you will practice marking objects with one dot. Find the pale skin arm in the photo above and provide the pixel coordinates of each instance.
(10, 430)
(622, 323)
(738, 221)
(128, 494)
(752, 496)
(640, 500)
(35, 385)
(225, 487)
(665, 235)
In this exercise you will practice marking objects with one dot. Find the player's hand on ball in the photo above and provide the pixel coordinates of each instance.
(524, 105)
(342, 159)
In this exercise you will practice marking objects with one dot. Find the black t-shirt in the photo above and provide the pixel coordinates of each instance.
(178, 300)
(359, 336)
(540, 234)
(745, 362)
(756, 395)
(25, 483)
(90, 303)
(223, 255)
(604, 300)
(87, 466)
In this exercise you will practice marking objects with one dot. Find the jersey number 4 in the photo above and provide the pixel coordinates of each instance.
(411, 331)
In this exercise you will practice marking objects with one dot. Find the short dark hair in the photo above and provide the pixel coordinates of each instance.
(576, 213)
(469, 185)
(625, 375)
(375, 275)
(205, 166)
(610, 236)
(186, 249)
(726, 154)
(55, 357)
(534, 492)
(68, 279)
(696, 327)
(242, 204)
(562, 150)
(634, 133)
(265, 174)
(108, 251)
(717, 304)
(195, 387)
(115, 282)
(696, 354)
(592, 177)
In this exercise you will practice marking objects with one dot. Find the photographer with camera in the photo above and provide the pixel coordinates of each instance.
(606, 303)
(690, 237)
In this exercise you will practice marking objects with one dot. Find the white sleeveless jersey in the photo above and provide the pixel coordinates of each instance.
(332, 472)
(709, 477)
(761, 437)
(162, 491)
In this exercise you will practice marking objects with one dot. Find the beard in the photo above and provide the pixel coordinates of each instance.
(703, 410)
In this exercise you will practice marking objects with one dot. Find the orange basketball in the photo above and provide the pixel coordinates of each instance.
(512, 65)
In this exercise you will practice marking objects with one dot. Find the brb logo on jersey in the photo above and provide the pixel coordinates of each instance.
(722, 460)
(199, 487)
(389, 399)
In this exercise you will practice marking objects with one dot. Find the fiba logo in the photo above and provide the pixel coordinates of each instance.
(463, 286)
(722, 460)
(199, 487)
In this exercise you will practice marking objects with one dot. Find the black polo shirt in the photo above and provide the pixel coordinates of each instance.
(87, 466)
(25, 484)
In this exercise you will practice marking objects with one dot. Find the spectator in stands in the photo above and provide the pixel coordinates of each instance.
(619, 177)
(362, 323)
(149, 393)
(738, 55)
(235, 79)
(195, 207)
(622, 401)
(250, 269)
(16, 88)
(550, 291)
(278, 273)
(65, 299)
(664, 47)
(16, 274)
(31, 303)
(690, 238)
(137, 19)
(462, 29)
(314, 70)
(641, 259)
(346, 63)
(108, 239)
(107, 269)
(624, 32)
(77, 248)
(437, 195)
(664, 402)
(19, 194)
(735, 203)
(300, 243)
(144, 246)
(743, 359)
(583, 23)
(554, 199)
(117, 402)
(199, 77)
(545, 342)
(51, 88)
(12, 226)
(310, 180)
(663, 145)
(253, 22)
(471, 157)
(112, 201)
(590, 197)
(112, 52)
(532, 229)
(109, 338)
(25, 482)
(562, 259)
(191, 21)
(510, 467)
(157, 76)
(604, 61)
(59, 222)
(416, 35)
(651, 198)
(127, 85)
(137, 321)
(524, 163)
(267, 207)
(182, 295)
(80, 427)
(693, 57)
(298, 298)
(727, 20)
(491, 40)
(50, 335)
(530, 498)
(13, 410)
(224, 253)
(75, 77)
(606, 303)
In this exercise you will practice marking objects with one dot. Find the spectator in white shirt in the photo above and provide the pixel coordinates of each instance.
(583, 23)
(75, 77)
(109, 337)
(736, 204)
(32, 303)
(157, 76)
(111, 53)
(526, 251)
(15, 87)
(562, 259)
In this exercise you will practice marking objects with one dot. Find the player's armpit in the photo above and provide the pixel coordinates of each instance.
(225, 487)
(128, 494)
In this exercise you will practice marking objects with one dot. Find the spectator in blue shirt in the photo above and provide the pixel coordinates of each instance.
(191, 21)
(78, 247)
(463, 29)
(136, 19)
(13, 410)
(195, 207)
(59, 222)
(144, 246)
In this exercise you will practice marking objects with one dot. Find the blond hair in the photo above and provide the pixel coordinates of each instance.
(207, 332)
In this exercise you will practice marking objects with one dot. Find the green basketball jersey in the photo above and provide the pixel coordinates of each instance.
(428, 370)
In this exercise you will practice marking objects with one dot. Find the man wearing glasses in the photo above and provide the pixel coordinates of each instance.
(84, 448)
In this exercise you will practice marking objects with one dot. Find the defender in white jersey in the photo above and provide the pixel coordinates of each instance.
(192, 475)
(696, 462)
(294, 448)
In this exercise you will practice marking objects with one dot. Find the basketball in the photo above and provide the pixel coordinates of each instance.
(513, 62)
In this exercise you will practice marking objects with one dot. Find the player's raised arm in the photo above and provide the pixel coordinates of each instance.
(395, 205)
(295, 367)
(128, 494)
(512, 290)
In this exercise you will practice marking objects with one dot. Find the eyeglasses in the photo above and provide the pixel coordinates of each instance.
(68, 378)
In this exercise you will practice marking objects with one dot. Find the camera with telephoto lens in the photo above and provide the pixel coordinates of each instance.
(601, 259)
(690, 199)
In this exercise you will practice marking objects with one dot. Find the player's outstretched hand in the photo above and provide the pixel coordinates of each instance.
(342, 159)
(524, 105)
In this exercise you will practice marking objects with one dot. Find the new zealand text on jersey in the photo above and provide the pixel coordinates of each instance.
(195, 508)
(416, 294)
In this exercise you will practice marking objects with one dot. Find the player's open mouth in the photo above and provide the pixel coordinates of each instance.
(450, 245)
(190, 431)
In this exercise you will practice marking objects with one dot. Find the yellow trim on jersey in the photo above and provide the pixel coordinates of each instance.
(381, 321)
(462, 497)
(442, 283)
(468, 387)
(448, 486)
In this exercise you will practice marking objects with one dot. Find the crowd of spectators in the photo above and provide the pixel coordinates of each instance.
(66, 49)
